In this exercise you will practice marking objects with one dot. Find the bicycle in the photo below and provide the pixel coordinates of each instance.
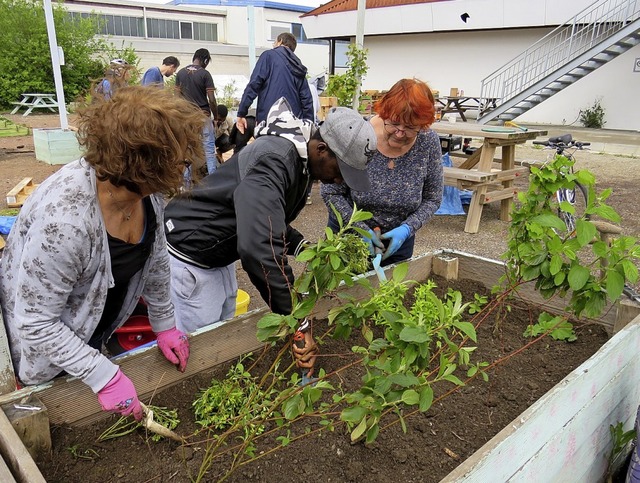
(577, 195)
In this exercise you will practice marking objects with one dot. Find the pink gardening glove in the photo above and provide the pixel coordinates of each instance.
(119, 396)
(174, 346)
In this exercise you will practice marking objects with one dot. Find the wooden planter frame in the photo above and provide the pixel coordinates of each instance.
(69, 401)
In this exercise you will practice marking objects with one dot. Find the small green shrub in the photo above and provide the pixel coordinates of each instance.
(593, 116)
(343, 86)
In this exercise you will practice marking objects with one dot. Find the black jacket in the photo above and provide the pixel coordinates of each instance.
(242, 212)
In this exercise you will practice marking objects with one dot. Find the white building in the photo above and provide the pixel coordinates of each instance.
(223, 27)
(430, 40)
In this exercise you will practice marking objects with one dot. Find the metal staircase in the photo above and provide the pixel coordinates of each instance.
(589, 40)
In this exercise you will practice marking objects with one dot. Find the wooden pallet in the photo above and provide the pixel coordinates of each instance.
(20, 192)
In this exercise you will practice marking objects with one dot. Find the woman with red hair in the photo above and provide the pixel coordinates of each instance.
(405, 173)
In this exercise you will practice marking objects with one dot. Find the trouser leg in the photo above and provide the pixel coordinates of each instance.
(209, 144)
(201, 296)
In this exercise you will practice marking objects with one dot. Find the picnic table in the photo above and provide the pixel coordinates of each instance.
(477, 172)
(33, 101)
(461, 104)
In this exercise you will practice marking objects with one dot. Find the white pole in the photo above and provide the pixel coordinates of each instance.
(55, 61)
(360, 45)
(251, 18)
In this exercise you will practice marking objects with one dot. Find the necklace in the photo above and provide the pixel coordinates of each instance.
(125, 215)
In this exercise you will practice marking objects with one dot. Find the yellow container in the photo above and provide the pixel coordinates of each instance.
(242, 302)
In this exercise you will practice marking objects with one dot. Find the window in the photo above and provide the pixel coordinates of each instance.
(341, 53)
(186, 30)
(277, 30)
(163, 29)
(298, 32)
(114, 24)
(156, 28)
(205, 31)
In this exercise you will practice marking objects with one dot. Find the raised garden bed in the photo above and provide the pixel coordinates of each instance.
(436, 442)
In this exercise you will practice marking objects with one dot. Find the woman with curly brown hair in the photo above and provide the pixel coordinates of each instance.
(89, 241)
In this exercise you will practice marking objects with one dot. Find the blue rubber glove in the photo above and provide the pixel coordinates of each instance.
(396, 238)
(373, 241)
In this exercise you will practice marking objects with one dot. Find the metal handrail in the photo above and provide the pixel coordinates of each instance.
(581, 33)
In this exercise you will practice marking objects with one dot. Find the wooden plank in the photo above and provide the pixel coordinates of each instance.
(548, 434)
(626, 310)
(30, 421)
(472, 160)
(7, 375)
(474, 214)
(17, 190)
(16, 455)
(468, 130)
(5, 473)
(489, 272)
(455, 174)
(19, 193)
(508, 167)
(491, 196)
(446, 266)
(510, 174)
(584, 443)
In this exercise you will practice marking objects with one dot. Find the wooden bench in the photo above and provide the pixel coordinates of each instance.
(472, 179)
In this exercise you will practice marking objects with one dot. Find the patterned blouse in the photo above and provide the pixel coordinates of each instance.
(54, 276)
(409, 192)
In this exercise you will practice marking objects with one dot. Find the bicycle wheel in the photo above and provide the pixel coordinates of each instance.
(576, 197)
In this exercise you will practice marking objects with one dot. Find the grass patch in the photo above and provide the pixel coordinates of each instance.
(10, 212)
(8, 128)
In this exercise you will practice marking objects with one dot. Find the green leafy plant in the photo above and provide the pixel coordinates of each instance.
(593, 116)
(421, 346)
(619, 449)
(572, 263)
(229, 401)
(125, 52)
(227, 98)
(557, 327)
(344, 86)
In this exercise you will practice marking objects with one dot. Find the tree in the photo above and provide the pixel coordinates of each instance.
(25, 62)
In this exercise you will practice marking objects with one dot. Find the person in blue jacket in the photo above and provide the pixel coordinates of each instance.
(278, 73)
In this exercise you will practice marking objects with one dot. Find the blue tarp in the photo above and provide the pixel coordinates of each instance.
(451, 196)
(6, 222)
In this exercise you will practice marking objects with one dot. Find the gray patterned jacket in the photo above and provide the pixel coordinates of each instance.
(54, 277)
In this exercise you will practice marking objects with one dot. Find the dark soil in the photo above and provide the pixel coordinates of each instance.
(434, 444)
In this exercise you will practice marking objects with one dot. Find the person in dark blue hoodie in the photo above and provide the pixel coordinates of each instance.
(278, 73)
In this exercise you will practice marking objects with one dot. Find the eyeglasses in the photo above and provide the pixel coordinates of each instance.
(393, 128)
